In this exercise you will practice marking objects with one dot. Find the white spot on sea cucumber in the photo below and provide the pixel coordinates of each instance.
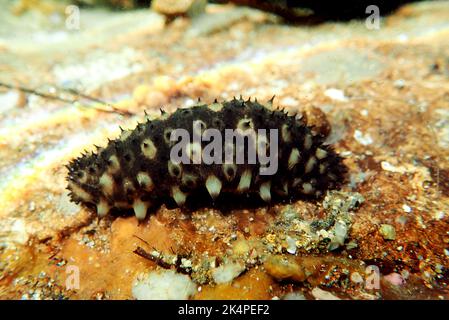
(310, 164)
(148, 148)
(125, 135)
(216, 107)
(179, 196)
(308, 141)
(320, 153)
(307, 188)
(106, 183)
(80, 192)
(264, 191)
(145, 181)
(174, 169)
(167, 135)
(293, 158)
(115, 164)
(245, 124)
(286, 134)
(213, 186)
(140, 209)
(323, 167)
(102, 208)
(245, 181)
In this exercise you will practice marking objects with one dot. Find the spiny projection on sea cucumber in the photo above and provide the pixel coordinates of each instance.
(135, 171)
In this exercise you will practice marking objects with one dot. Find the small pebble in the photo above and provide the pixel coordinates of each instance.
(356, 277)
(387, 231)
(400, 83)
(335, 94)
(406, 208)
(364, 139)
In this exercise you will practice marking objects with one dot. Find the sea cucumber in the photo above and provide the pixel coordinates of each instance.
(136, 170)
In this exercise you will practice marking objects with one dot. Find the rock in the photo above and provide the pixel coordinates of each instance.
(320, 294)
(282, 268)
(163, 285)
(395, 279)
(340, 230)
(179, 7)
(291, 245)
(227, 272)
(294, 296)
(387, 231)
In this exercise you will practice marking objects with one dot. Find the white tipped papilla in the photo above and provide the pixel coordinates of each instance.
(323, 167)
(320, 153)
(310, 164)
(106, 183)
(83, 178)
(140, 209)
(213, 186)
(216, 107)
(307, 188)
(148, 148)
(125, 135)
(167, 136)
(80, 192)
(179, 196)
(265, 192)
(245, 181)
(174, 169)
(102, 208)
(145, 181)
(285, 132)
(245, 124)
(293, 159)
(114, 164)
(308, 141)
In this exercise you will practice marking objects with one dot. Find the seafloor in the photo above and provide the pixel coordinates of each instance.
(385, 93)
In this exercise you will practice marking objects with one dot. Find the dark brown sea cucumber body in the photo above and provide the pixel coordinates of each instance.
(135, 171)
